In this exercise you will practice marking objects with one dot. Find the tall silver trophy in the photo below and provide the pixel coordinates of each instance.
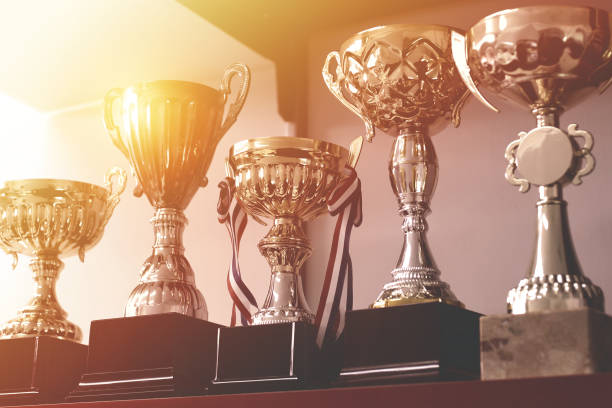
(402, 80)
(547, 59)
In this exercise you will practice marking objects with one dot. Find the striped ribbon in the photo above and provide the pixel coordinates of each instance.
(230, 213)
(337, 293)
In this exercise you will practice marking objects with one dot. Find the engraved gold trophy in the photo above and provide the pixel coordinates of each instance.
(286, 179)
(402, 80)
(48, 219)
(545, 58)
(169, 130)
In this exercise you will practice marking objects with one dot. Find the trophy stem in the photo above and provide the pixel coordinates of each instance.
(555, 280)
(285, 247)
(167, 282)
(547, 116)
(413, 171)
(43, 316)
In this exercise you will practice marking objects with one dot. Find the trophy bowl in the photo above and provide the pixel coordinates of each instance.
(47, 219)
(169, 131)
(286, 179)
(400, 75)
(402, 79)
(542, 56)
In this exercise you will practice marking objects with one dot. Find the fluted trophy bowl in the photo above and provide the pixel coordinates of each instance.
(47, 219)
(546, 59)
(169, 131)
(542, 56)
(286, 179)
(402, 79)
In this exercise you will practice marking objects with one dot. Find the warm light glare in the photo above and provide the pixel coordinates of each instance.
(23, 142)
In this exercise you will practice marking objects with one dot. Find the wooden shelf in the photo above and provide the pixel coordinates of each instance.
(558, 392)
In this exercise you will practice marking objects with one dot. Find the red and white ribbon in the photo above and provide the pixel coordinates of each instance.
(337, 293)
(235, 219)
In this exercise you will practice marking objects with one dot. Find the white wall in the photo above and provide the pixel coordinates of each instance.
(482, 230)
(76, 146)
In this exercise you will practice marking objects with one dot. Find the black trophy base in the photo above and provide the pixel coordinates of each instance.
(421, 342)
(153, 356)
(271, 357)
(545, 344)
(38, 370)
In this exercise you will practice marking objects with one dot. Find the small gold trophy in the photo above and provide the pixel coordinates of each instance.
(48, 219)
(286, 179)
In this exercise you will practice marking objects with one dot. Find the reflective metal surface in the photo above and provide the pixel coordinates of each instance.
(542, 56)
(402, 79)
(169, 131)
(47, 219)
(546, 58)
(286, 179)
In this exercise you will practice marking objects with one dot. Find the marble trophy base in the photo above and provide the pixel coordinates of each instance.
(37, 370)
(420, 342)
(270, 357)
(539, 344)
(151, 356)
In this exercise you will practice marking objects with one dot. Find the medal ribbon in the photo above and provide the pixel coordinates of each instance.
(337, 293)
(230, 213)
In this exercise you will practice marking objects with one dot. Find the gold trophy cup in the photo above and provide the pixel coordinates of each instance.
(169, 130)
(402, 80)
(47, 219)
(286, 179)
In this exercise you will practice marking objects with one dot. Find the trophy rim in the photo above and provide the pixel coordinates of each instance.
(287, 142)
(15, 185)
(159, 83)
(392, 27)
(531, 8)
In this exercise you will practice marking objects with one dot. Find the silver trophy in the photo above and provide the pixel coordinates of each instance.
(402, 79)
(546, 58)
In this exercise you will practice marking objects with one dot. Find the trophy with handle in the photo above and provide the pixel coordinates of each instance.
(402, 80)
(169, 130)
(164, 346)
(546, 59)
(48, 219)
(289, 180)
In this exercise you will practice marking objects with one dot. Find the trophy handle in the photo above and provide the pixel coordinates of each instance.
(334, 87)
(109, 123)
(355, 151)
(458, 46)
(121, 176)
(604, 85)
(15, 259)
(510, 156)
(583, 152)
(236, 106)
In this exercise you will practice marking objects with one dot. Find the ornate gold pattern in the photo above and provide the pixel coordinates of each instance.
(46, 219)
(286, 179)
(169, 131)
